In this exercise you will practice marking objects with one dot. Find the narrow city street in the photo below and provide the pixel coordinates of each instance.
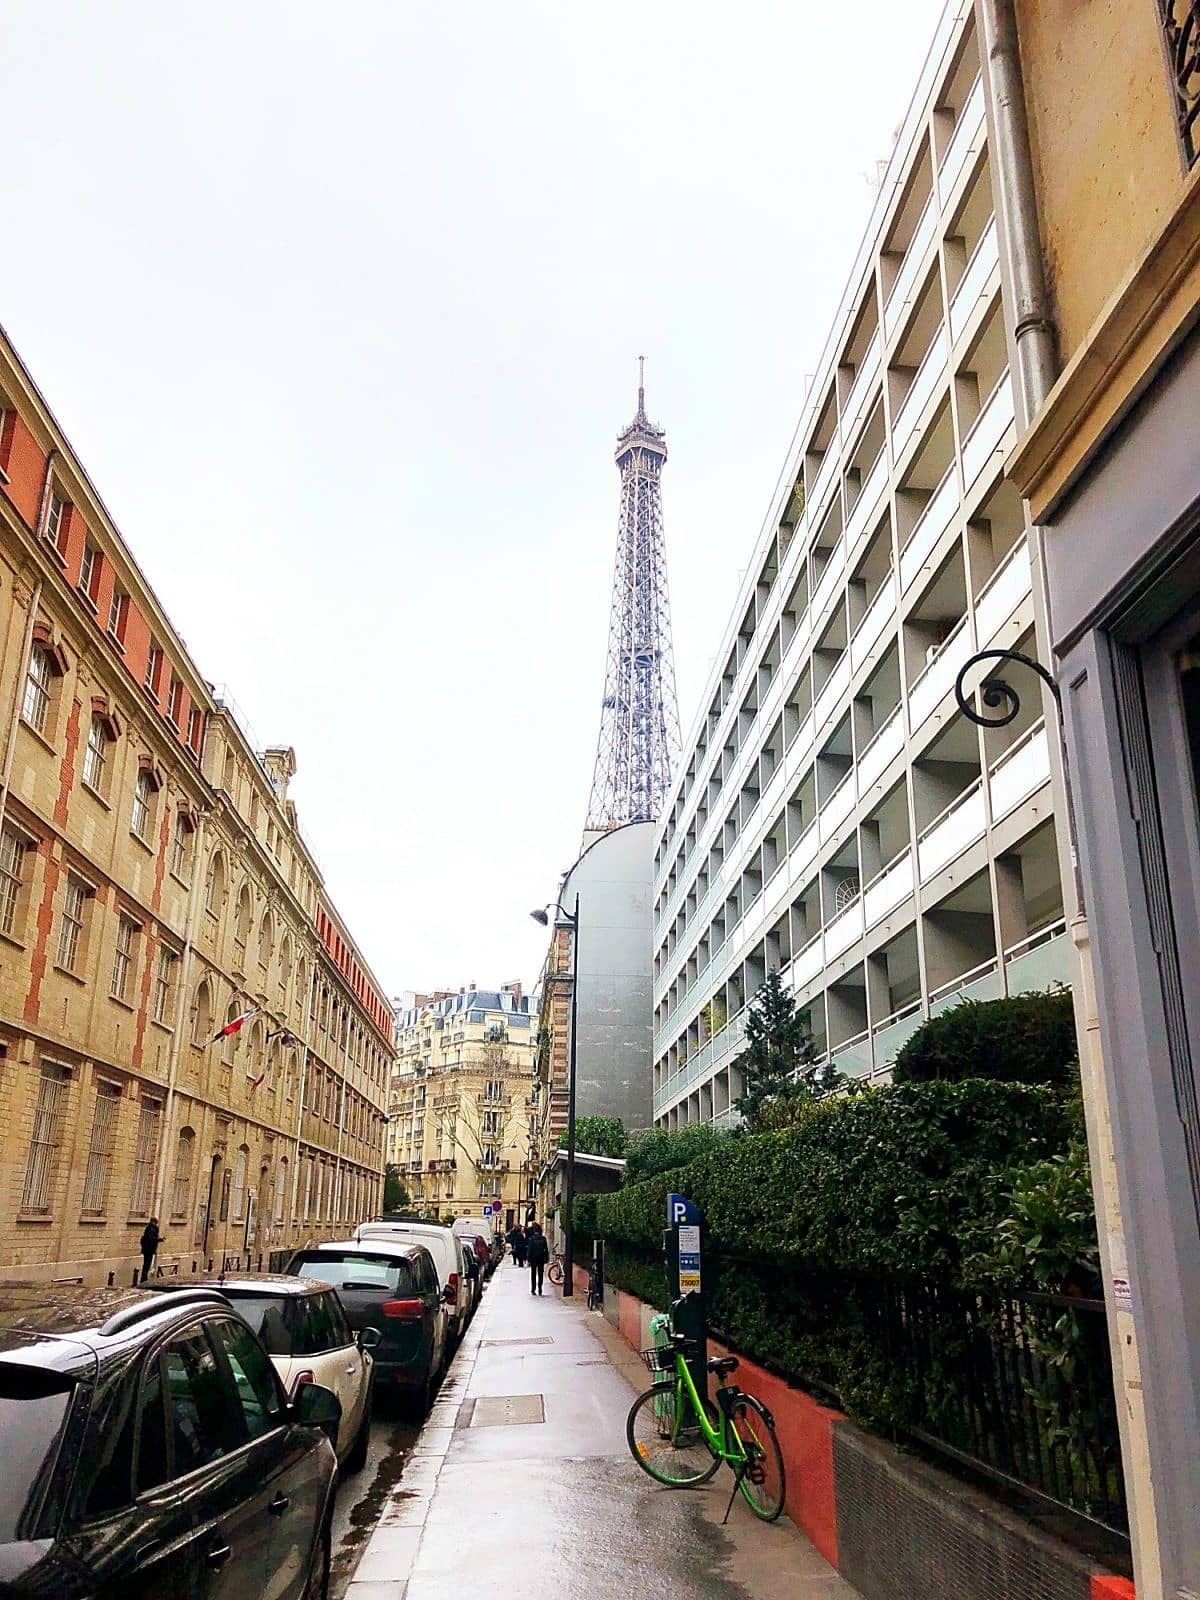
(362, 1494)
(526, 1448)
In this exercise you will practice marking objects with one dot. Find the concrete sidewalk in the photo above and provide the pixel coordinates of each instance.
(522, 1478)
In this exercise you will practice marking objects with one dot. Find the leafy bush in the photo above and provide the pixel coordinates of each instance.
(660, 1149)
(598, 1136)
(583, 1221)
(1026, 1038)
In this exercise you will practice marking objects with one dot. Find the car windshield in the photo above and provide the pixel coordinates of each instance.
(33, 1409)
(345, 1270)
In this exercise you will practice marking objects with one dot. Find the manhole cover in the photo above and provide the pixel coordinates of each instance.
(493, 1343)
(504, 1410)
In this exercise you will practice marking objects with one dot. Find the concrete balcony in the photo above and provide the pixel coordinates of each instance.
(1020, 771)
(986, 437)
(980, 983)
(867, 505)
(1003, 593)
(962, 822)
(926, 381)
(890, 1035)
(834, 691)
(966, 140)
(862, 390)
(935, 519)
(873, 622)
(1042, 961)
(973, 285)
(842, 932)
(883, 748)
(888, 888)
(852, 1058)
(911, 268)
(827, 583)
(938, 678)
(838, 807)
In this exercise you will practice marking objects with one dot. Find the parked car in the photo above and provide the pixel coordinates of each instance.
(392, 1285)
(439, 1241)
(479, 1247)
(472, 1270)
(481, 1228)
(303, 1328)
(150, 1452)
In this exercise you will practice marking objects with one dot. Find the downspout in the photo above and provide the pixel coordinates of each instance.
(185, 973)
(10, 745)
(1035, 358)
(312, 978)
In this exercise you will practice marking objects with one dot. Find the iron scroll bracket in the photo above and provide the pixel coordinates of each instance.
(997, 694)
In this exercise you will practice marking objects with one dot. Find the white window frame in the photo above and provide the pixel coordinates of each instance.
(124, 957)
(95, 757)
(39, 691)
(73, 926)
(144, 789)
(102, 1142)
(117, 612)
(166, 966)
(56, 508)
(88, 568)
(13, 848)
(180, 848)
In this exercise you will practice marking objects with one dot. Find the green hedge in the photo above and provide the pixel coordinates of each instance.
(1026, 1038)
(907, 1179)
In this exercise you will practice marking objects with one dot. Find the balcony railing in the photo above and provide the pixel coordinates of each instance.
(988, 430)
(873, 620)
(932, 523)
(885, 744)
(948, 835)
(910, 267)
(971, 286)
(1020, 771)
(937, 678)
(1002, 593)
(963, 140)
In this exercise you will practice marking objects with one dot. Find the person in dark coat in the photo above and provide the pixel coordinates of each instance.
(516, 1239)
(537, 1252)
(149, 1246)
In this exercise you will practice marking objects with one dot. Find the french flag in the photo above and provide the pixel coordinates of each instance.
(235, 1026)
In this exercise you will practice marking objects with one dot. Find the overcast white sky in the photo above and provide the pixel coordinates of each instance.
(340, 307)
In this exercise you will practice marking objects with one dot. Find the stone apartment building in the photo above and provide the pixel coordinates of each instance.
(462, 1114)
(154, 885)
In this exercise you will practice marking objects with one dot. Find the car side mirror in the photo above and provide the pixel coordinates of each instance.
(368, 1338)
(316, 1407)
(449, 1294)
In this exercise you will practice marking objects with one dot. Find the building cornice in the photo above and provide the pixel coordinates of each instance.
(1142, 324)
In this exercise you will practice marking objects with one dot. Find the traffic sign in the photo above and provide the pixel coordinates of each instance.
(487, 1211)
(680, 1210)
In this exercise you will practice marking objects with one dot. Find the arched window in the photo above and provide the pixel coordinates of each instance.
(309, 1174)
(202, 1028)
(266, 940)
(241, 931)
(274, 1060)
(237, 1199)
(285, 971)
(229, 1043)
(293, 1073)
(301, 983)
(279, 1205)
(214, 884)
(185, 1147)
(255, 1067)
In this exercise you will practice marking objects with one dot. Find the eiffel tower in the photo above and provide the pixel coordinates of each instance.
(639, 720)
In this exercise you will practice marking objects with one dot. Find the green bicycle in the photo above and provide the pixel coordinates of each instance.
(681, 1442)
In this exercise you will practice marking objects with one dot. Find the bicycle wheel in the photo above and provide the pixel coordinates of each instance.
(671, 1448)
(555, 1272)
(763, 1485)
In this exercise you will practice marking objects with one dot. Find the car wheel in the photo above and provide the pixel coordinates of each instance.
(357, 1459)
(317, 1587)
(421, 1398)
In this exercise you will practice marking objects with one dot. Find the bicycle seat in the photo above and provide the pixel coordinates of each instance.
(722, 1364)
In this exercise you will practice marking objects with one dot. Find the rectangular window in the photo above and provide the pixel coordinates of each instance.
(175, 699)
(41, 1168)
(145, 1157)
(70, 934)
(56, 518)
(195, 728)
(127, 932)
(143, 804)
(100, 1148)
(181, 847)
(12, 869)
(89, 571)
(494, 1090)
(118, 611)
(36, 705)
(153, 669)
(95, 757)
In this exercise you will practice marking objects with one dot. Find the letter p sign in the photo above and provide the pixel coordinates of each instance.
(680, 1211)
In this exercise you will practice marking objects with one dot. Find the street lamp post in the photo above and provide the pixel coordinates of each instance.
(541, 916)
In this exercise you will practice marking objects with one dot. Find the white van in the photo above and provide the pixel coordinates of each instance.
(441, 1245)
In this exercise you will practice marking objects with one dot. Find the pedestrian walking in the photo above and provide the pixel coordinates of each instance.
(149, 1245)
(516, 1240)
(537, 1252)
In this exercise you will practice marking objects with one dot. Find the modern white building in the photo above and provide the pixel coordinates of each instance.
(835, 815)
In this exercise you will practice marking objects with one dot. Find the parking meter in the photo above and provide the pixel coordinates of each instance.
(682, 1249)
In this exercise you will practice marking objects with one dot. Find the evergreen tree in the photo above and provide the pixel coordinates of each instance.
(779, 1062)
(598, 1136)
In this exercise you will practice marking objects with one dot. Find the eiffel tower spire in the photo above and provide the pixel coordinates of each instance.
(639, 719)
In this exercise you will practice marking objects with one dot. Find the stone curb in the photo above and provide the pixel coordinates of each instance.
(387, 1561)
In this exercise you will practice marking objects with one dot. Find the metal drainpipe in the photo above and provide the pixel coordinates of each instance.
(10, 747)
(185, 973)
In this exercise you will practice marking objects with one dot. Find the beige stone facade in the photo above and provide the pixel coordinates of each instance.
(462, 1122)
(553, 1059)
(154, 885)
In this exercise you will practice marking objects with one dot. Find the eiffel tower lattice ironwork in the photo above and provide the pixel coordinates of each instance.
(639, 721)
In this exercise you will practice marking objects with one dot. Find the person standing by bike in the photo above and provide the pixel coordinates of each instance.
(516, 1239)
(538, 1253)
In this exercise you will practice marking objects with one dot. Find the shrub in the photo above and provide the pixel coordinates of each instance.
(1026, 1038)
(583, 1221)
(598, 1136)
(660, 1149)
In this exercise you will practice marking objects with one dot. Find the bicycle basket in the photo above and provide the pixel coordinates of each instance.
(660, 1359)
